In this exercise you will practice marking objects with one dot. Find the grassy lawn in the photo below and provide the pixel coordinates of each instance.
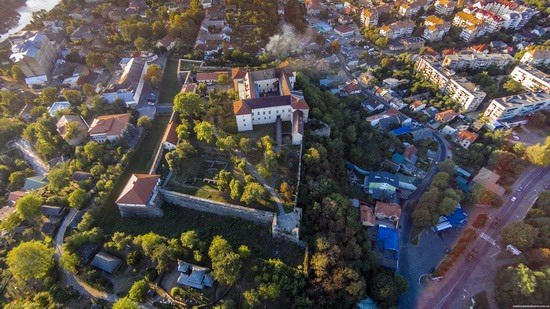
(170, 83)
(237, 231)
(140, 163)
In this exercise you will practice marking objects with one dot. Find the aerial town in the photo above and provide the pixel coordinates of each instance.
(274, 154)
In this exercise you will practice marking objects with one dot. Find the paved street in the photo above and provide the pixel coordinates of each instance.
(468, 278)
(38, 165)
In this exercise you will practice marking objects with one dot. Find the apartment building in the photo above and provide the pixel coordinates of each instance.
(531, 78)
(472, 26)
(519, 105)
(435, 29)
(536, 57)
(492, 21)
(397, 29)
(476, 61)
(444, 7)
(514, 15)
(465, 93)
(369, 17)
(410, 9)
(36, 56)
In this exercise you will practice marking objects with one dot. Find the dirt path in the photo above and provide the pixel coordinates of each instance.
(69, 278)
(39, 166)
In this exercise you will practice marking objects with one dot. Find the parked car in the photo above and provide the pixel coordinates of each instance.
(513, 199)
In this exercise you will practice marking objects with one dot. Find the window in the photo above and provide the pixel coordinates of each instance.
(270, 112)
(264, 112)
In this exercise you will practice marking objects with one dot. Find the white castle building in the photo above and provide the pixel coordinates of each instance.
(266, 96)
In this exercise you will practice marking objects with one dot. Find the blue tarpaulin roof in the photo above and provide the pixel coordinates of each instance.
(401, 131)
(389, 236)
(457, 217)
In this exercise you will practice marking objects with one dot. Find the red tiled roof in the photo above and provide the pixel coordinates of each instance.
(367, 215)
(410, 151)
(388, 209)
(205, 76)
(189, 87)
(109, 124)
(138, 189)
(343, 29)
(237, 73)
(170, 135)
(467, 135)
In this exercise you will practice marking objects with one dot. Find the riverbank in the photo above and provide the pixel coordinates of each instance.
(9, 17)
(24, 12)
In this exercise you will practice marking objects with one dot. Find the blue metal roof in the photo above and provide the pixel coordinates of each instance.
(401, 130)
(457, 217)
(389, 236)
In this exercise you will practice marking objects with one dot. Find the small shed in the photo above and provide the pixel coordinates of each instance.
(106, 262)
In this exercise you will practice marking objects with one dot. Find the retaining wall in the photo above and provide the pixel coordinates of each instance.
(222, 209)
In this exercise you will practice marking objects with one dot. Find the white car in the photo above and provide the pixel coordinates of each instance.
(515, 137)
(513, 199)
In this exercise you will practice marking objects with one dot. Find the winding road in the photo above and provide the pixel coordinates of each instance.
(68, 278)
(38, 165)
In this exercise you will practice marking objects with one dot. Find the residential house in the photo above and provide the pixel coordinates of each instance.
(381, 185)
(388, 211)
(140, 196)
(445, 116)
(352, 88)
(531, 78)
(449, 131)
(167, 42)
(194, 276)
(387, 243)
(417, 106)
(106, 262)
(455, 219)
(313, 7)
(430, 111)
(492, 22)
(367, 215)
(109, 127)
(14, 196)
(35, 182)
(466, 138)
(488, 180)
(344, 31)
(411, 154)
(53, 212)
(371, 105)
(72, 129)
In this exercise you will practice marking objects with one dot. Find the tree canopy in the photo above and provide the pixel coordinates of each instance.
(31, 261)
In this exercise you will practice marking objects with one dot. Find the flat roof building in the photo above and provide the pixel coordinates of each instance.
(517, 105)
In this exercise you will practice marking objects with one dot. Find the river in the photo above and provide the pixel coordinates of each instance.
(26, 14)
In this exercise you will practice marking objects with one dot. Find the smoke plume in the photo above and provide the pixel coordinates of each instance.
(287, 42)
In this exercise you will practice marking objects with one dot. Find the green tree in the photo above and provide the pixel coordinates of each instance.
(204, 131)
(141, 44)
(49, 95)
(57, 178)
(245, 144)
(539, 154)
(188, 104)
(17, 180)
(30, 261)
(16, 72)
(236, 189)
(286, 191)
(447, 166)
(138, 290)
(519, 234)
(144, 122)
(29, 206)
(253, 192)
(512, 87)
(78, 198)
(226, 264)
(125, 303)
(190, 239)
(223, 178)
(153, 74)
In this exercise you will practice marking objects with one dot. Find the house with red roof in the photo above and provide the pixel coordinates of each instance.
(445, 116)
(344, 30)
(170, 137)
(140, 196)
(108, 127)
(466, 138)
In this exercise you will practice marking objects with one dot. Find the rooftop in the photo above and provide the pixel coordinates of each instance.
(138, 189)
(109, 124)
(524, 98)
